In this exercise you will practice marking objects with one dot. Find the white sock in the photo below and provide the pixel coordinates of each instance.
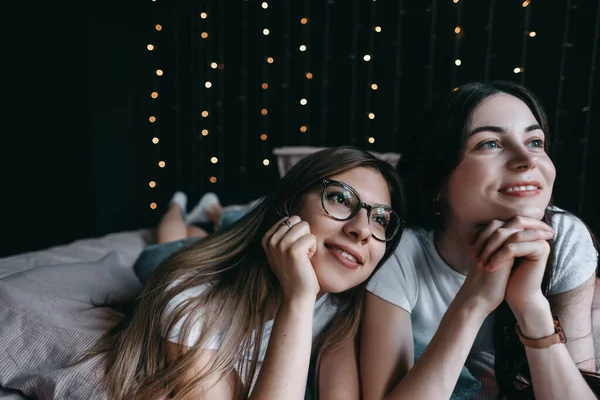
(180, 199)
(198, 213)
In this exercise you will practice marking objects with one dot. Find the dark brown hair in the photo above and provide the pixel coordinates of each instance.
(427, 163)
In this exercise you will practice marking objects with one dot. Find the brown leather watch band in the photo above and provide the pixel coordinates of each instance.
(542, 343)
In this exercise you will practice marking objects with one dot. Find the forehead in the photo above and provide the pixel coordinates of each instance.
(501, 110)
(368, 183)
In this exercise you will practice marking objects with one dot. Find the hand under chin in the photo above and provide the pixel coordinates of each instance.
(529, 211)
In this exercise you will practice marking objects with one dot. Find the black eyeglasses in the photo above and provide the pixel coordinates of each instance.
(342, 203)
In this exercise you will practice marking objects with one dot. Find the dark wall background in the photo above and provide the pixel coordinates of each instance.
(77, 151)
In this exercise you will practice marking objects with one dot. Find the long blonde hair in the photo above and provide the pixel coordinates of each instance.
(240, 288)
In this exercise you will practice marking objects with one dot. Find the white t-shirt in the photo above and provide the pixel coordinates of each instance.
(416, 279)
(325, 310)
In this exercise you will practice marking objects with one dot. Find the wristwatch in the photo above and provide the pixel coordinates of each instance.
(542, 343)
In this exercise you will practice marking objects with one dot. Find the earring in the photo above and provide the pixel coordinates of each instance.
(436, 206)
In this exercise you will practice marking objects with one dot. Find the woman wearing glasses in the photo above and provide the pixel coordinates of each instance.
(239, 313)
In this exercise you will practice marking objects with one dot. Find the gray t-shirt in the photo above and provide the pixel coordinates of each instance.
(416, 279)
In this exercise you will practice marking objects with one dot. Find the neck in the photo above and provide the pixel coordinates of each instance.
(452, 244)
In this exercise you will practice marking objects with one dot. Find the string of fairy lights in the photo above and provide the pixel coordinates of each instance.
(155, 104)
(303, 48)
(371, 85)
(266, 64)
(458, 34)
(212, 137)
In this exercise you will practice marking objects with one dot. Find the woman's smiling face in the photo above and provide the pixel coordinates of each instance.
(504, 170)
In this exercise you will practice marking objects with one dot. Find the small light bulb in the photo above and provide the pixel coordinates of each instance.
(265, 32)
(270, 60)
(203, 15)
(457, 62)
(517, 70)
(159, 72)
(213, 179)
(377, 29)
(367, 57)
(152, 119)
(263, 137)
(309, 75)
(371, 115)
(304, 20)
(153, 206)
(214, 160)
(374, 86)
(526, 3)
(303, 102)
(457, 30)
(266, 162)
(265, 5)
(204, 132)
(204, 35)
(214, 65)
(265, 85)
(532, 34)
(302, 47)
(155, 140)
(152, 184)
(162, 164)
(303, 128)
(158, 27)
(204, 114)
(208, 84)
(154, 95)
(264, 111)
(371, 140)
(150, 47)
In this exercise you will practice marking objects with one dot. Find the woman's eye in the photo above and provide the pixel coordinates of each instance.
(338, 198)
(489, 145)
(536, 143)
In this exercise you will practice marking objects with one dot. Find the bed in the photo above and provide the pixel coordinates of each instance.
(46, 312)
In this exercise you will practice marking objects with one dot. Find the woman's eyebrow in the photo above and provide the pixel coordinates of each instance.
(499, 129)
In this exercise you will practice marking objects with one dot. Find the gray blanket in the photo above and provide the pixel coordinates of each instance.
(47, 318)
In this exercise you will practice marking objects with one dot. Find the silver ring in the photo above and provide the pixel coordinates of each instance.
(287, 222)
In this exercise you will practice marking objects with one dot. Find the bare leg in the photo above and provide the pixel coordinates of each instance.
(194, 231)
(214, 214)
(171, 226)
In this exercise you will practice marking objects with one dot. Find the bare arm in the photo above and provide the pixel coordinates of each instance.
(224, 387)
(387, 351)
(386, 348)
(338, 373)
(554, 373)
(285, 369)
(574, 309)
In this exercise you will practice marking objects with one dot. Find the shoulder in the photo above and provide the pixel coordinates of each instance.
(175, 316)
(397, 279)
(575, 255)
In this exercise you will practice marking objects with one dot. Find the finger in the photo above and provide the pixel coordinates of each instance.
(520, 222)
(282, 230)
(305, 245)
(483, 236)
(495, 242)
(534, 250)
(277, 226)
(293, 234)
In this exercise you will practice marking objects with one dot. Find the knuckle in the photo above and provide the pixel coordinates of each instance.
(511, 248)
(518, 220)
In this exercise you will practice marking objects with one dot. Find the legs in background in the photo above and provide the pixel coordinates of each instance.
(172, 225)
